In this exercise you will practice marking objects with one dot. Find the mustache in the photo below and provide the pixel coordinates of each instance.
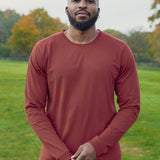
(82, 10)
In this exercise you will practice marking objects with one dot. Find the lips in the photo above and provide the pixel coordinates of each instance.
(82, 13)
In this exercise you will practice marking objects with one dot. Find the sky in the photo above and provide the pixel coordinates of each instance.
(121, 15)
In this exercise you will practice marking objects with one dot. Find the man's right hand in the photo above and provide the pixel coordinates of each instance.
(85, 152)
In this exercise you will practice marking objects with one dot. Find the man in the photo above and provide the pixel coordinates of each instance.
(74, 74)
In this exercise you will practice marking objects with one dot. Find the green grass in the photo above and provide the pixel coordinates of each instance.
(142, 141)
(19, 142)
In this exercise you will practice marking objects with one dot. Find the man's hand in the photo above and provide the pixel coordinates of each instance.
(85, 152)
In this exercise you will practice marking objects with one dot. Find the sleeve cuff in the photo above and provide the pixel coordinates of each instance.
(65, 156)
(98, 145)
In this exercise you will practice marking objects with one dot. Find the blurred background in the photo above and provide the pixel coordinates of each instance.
(23, 23)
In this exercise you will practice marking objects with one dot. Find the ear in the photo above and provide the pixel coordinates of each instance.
(66, 10)
(98, 11)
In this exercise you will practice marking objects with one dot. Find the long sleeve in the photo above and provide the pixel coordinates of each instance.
(128, 98)
(35, 102)
(78, 83)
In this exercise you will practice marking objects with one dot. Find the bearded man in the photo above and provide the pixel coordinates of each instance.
(71, 80)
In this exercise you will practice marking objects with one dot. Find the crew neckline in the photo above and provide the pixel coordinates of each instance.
(78, 44)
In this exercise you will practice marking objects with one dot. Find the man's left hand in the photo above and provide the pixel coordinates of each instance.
(85, 152)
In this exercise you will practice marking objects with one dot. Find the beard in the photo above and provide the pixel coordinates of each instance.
(82, 26)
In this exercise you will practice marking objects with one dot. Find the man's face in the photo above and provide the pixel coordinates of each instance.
(82, 13)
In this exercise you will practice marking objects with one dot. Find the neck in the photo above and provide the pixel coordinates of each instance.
(81, 37)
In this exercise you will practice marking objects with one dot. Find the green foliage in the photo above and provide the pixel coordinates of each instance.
(7, 20)
(117, 34)
(18, 140)
(27, 30)
(137, 41)
(3, 30)
(5, 51)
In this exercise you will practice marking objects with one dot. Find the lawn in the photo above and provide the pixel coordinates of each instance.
(142, 141)
(19, 142)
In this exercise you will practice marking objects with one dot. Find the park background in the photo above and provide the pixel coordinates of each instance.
(18, 35)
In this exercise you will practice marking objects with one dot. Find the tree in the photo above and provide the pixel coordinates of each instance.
(24, 35)
(153, 40)
(116, 34)
(156, 14)
(5, 51)
(137, 41)
(3, 30)
(154, 37)
(7, 20)
(46, 24)
(31, 28)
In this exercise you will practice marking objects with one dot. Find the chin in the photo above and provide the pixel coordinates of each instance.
(84, 19)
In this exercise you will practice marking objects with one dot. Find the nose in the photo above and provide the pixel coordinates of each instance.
(83, 4)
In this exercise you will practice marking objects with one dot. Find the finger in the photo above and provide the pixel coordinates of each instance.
(82, 156)
(77, 153)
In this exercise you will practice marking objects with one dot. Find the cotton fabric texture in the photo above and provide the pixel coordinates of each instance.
(76, 83)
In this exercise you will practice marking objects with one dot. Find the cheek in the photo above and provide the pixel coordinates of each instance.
(71, 12)
(94, 12)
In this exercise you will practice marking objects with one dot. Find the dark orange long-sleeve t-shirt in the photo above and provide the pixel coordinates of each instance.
(76, 83)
